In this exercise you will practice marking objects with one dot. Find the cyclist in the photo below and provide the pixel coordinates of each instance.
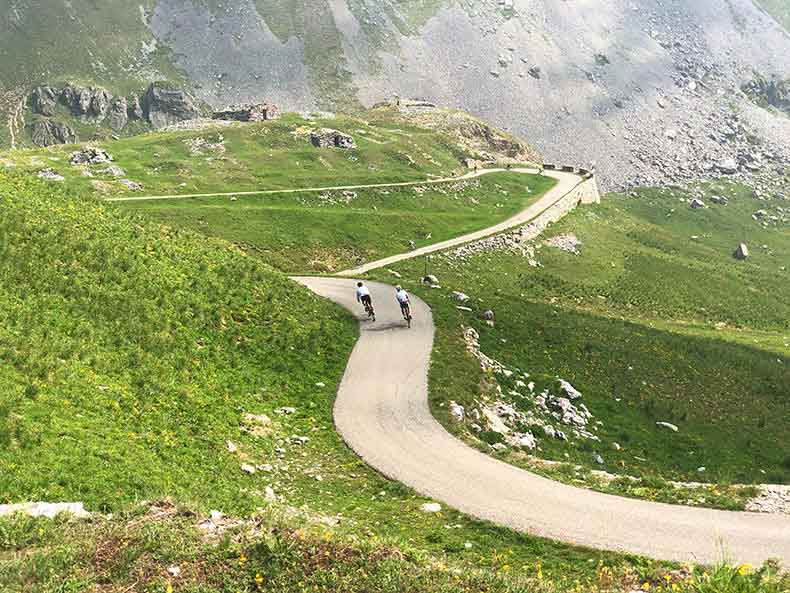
(405, 303)
(363, 296)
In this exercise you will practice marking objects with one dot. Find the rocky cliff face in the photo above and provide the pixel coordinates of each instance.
(646, 90)
(160, 106)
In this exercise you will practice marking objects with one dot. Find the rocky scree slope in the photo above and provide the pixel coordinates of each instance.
(645, 90)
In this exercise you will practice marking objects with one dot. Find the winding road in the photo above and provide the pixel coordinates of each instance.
(382, 413)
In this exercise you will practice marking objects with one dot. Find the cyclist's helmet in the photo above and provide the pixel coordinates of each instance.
(398, 287)
(359, 284)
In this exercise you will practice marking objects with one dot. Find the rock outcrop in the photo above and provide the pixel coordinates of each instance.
(43, 101)
(771, 92)
(119, 114)
(48, 132)
(329, 138)
(165, 106)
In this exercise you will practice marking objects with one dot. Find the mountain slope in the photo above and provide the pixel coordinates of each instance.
(645, 90)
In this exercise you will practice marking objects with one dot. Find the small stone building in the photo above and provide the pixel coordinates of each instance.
(329, 138)
(249, 113)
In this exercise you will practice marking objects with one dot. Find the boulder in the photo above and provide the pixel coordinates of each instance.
(49, 175)
(431, 507)
(527, 441)
(90, 155)
(742, 252)
(457, 411)
(430, 280)
(720, 200)
(47, 132)
(164, 106)
(460, 296)
(696, 204)
(50, 510)
(43, 101)
(488, 315)
(727, 166)
(119, 114)
(329, 138)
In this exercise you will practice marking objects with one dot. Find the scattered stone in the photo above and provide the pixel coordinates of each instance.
(499, 447)
(488, 315)
(258, 425)
(535, 72)
(527, 441)
(616, 446)
(567, 243)
(174, 571)
(431, 507)
(269, 494)
(248, 469)
(285, 411)
(460, 296)
(50, 510)
(457, 411)
(131, 185)
(90, 155)
(430, 279)
(465, 309)
(113, 170)
(696, 204)
(598, 459)
(742, 252)
(49, 175)
(720, 200)
(231, 446)
(569, 390)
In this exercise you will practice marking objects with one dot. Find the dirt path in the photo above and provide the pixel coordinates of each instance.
(267, 192)
(382, 413)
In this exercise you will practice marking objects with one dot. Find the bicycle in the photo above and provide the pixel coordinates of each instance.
(405, 310)
(370, 311)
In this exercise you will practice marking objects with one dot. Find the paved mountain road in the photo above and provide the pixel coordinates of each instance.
(382, 413)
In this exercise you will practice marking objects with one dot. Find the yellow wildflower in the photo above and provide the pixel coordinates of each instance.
(745, 569)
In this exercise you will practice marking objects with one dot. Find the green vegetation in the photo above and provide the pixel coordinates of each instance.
(269, 155)
(654, 321)
(160, 548)
(331, 231)
(135, 353)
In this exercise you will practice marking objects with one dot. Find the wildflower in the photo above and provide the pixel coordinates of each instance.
(645, 586)
(745, 569)
(169, 588)
(258, 579)
(242, 559)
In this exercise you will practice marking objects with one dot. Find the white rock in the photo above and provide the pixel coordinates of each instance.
(269, 494)
(174, 571)
(49, 510)
(460, 296)
(232, 448)
(668, 425)
(528, 441)
(248, 469)
(431, 507)
(457, 411)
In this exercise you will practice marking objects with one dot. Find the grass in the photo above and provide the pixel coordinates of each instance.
(331, 231)
(160, 548)
(269, 155)
(649, 324)
(134, 353)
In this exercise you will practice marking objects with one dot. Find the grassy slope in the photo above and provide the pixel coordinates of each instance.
(638, 317)
(269, 155)
(306, 232)
(140, 550)
(133, 352)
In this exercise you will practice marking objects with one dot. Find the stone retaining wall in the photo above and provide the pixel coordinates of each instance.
(586, 192)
